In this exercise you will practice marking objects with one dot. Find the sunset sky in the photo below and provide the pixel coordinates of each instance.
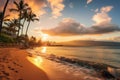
(65, 20)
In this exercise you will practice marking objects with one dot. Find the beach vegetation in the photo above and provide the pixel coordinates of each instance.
(16, 30)
(6, 39)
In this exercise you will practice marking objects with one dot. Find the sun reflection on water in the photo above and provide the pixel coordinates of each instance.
(43, 50)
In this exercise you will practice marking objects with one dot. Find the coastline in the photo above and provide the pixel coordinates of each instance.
(18, 64)
(100, 71)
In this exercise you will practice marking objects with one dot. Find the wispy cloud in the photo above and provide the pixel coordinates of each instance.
(69, 27)
(96, 10)
(71, 5)
(115, 38)
(57, 6)
(89, 1)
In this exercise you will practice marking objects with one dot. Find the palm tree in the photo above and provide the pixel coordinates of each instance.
(6, 18)
(20, 7)
(4, 28)
(12, 27)
(31, 17)
(24, 16)
(2, 15)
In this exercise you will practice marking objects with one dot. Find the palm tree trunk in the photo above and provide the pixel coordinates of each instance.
(19, 24)
(23, 26)
(2, 17)
(27, 27)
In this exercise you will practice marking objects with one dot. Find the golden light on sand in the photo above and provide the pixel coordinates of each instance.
(43, 50)
(36, 60)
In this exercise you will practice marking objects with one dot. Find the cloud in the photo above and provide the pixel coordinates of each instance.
(89, 1)
(57, 6)
(10, 5)
(71, 5)
(38, 6)
(106, 9)
(96, 10)
(103, 28)
(115, 38)
(102, 16)
(69, 27)
(66, 27)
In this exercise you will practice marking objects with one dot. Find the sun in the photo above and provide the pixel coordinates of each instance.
(45, 37)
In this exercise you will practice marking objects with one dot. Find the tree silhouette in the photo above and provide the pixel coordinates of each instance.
(2, 15)
(24, 16)
(20, 7)
(31, 17)
(12, 26)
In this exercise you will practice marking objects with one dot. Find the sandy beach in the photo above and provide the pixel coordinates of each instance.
(16, 65)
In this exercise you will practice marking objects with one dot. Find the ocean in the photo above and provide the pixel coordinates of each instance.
(90, 62)
(99, 54)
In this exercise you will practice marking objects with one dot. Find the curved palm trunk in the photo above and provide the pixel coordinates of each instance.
(19, 25)
(23, 26)
(2, 17)
(27, 27)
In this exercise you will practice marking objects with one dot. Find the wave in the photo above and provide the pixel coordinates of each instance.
(100, 68)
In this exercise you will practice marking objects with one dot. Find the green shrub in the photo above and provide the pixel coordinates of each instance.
(6, 39)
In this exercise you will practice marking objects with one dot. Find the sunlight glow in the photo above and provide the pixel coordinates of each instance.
(43, 50)
(45, 37)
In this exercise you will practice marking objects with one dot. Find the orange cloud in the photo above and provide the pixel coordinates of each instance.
(10, 5)
(57, 6)
(36, 6)
(70, 27)
(102, 17)
(106, 9)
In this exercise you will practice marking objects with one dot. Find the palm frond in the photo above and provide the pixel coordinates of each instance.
(6, 19)
(6, 23)
(16, 4)
(6, 16)
(25, 5)
(16, 10)
(35, 19)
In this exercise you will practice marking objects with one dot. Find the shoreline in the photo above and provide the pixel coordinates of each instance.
(19, 64)
(100, 68)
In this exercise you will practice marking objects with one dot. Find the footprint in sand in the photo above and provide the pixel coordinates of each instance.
(4, 78)
(13, 69)
(17, 64)
(5, 73)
